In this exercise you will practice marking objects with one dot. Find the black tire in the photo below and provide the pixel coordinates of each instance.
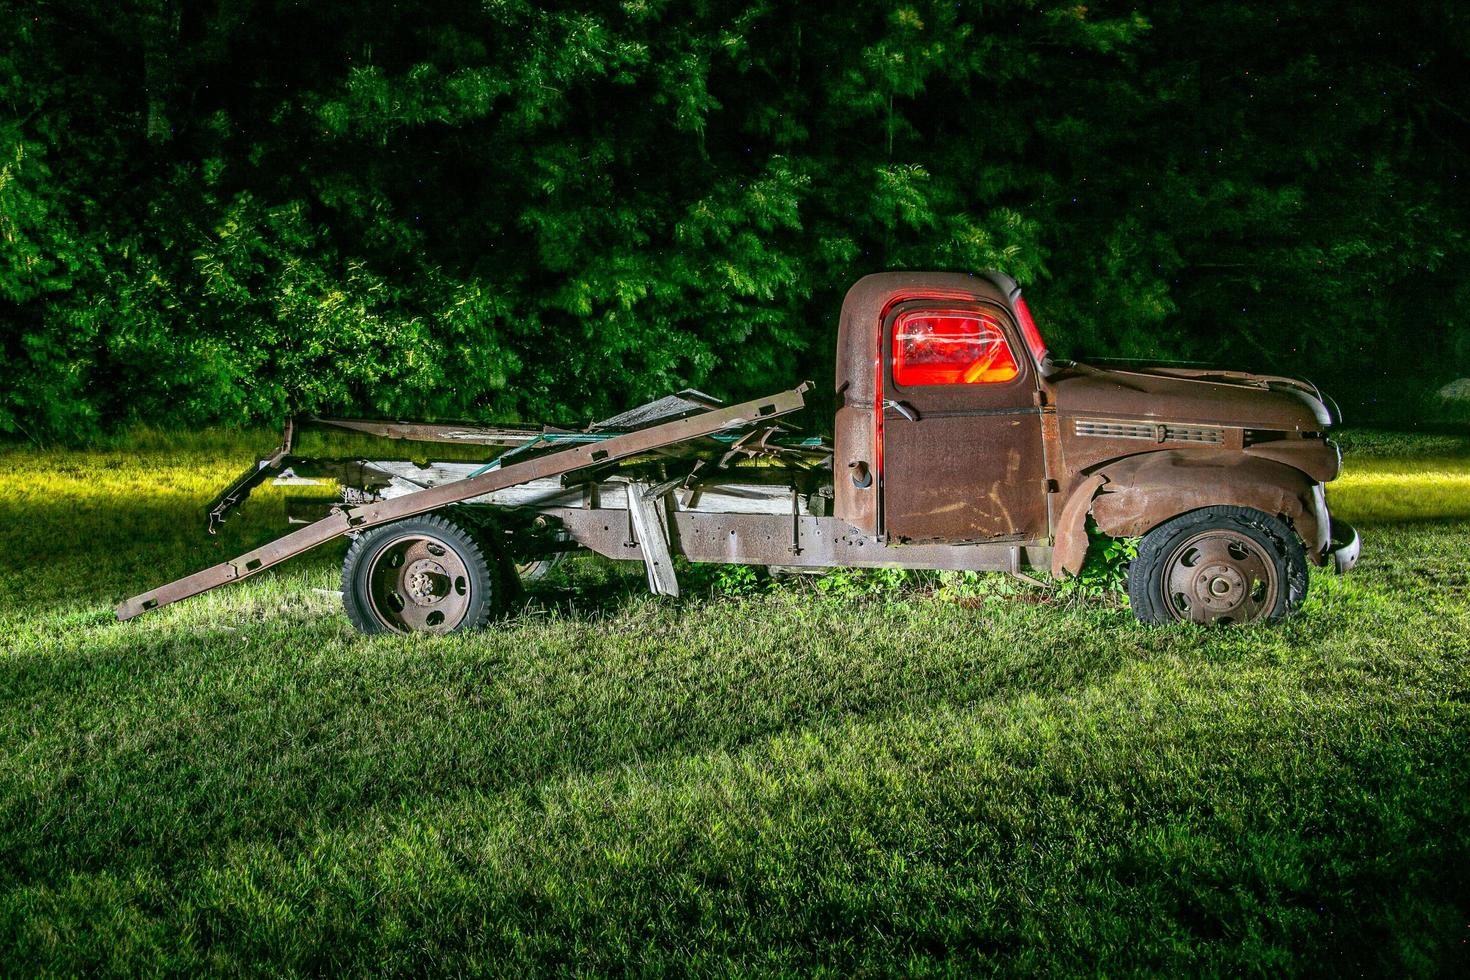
(1222, 565)
(420, 575)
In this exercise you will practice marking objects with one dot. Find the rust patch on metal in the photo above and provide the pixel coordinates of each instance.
(964, 478)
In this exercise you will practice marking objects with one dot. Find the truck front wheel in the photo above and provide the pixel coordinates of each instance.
(1224, 565)
(419, 575)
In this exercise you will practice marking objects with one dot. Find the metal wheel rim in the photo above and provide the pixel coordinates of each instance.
(418, 584)
(1220, 576)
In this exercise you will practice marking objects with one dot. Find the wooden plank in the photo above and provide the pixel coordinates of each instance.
(653, 539)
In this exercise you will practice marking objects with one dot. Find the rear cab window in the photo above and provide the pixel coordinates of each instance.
(951, 348)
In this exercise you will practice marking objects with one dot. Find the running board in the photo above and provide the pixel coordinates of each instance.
(360, 518)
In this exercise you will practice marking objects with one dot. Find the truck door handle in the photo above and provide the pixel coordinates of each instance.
(902, 408)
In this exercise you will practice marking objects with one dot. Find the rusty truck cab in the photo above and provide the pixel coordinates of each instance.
(939, 434)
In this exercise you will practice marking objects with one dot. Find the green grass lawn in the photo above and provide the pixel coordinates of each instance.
(917, 780)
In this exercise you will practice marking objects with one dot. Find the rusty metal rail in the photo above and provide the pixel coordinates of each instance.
(471, 435)
(359, 518)
(233, 495)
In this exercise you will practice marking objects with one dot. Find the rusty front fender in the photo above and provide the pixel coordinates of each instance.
(1131, 496)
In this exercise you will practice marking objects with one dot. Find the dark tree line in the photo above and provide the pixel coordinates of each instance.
(227, 209)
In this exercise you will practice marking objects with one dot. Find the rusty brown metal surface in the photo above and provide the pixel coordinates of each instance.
(1168, 440)
(1071, 528)
(855, 436)
(1106, 416)
(1057, 474)
(866, 306)
(687, 402)
(1209, 400)
(1144, 491)
(234, 494)
(474, 435)
(1092, 421)
(855, 466)
(964, 478)
(423, 501)
(1318, 458)
(768, 539)
(1165, 483)
(963, 462)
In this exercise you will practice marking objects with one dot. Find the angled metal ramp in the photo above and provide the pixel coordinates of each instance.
(361, 517)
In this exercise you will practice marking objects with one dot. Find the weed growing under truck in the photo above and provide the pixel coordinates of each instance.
(959, 443)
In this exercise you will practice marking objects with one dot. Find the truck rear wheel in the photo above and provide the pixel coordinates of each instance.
(1222, 565)
(419, 575)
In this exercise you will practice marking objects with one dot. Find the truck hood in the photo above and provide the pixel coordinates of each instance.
(1226, 398)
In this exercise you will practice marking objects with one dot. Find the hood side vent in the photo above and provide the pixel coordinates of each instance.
(1116, 430)
(1196, 435)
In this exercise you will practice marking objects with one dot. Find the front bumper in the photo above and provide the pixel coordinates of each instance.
(1345, 546)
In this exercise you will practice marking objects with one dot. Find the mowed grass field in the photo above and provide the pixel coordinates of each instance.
(938, 778)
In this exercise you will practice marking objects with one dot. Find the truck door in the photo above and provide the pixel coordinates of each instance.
(960, 426)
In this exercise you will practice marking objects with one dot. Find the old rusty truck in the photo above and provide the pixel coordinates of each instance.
(959, 442)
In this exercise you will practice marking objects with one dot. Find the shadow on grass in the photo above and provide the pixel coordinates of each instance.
(156, 741)
(778, 768)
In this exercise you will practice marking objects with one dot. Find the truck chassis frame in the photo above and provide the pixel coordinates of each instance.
(579, 488)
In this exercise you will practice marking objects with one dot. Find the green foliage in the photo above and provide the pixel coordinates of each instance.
(1104, 570)
(217, 212)
(975, 588)
(857, 583)
(735, 579)
(836, 583)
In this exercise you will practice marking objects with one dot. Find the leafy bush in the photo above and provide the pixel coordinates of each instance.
(220, 213)
(852, 583)
(735, 579)
(1104, 571)
(975, 588)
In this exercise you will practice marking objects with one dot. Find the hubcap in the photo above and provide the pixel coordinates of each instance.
(419, 584)
(1219, 576)
(427, 581)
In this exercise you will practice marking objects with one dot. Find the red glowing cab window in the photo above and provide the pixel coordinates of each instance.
(950, 349)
